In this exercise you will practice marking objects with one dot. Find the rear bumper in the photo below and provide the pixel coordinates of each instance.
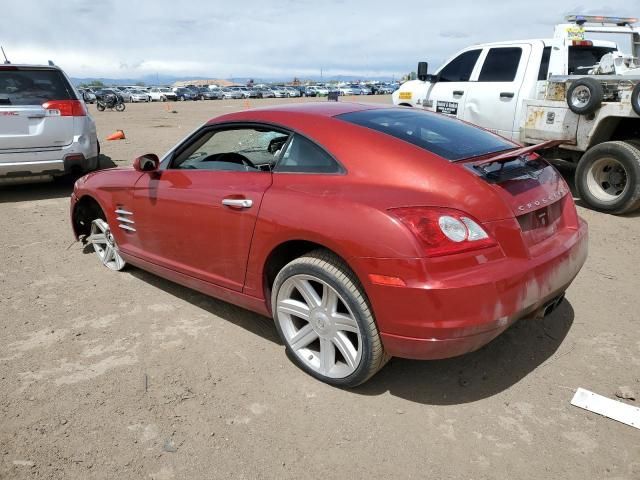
(81, 156)
(446, 317)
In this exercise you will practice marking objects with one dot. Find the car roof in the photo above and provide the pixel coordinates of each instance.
(322, 109)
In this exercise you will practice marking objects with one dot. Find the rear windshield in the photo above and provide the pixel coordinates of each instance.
(33, 87)
(444, 136)
(583, 59)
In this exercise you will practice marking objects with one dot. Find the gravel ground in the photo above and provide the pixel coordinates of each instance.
(125, 375)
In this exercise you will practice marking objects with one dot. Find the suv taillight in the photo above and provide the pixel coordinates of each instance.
(65, 108)
(443, 231)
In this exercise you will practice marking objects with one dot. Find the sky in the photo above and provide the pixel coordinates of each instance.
(269, 39)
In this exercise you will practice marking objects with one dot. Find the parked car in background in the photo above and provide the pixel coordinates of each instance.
(453, 272)
(205, 93)
(183, 94)
(247, 92)
(264, 92)
(385, 89)
(231, 93)
(292, 92)
(322, 90)
(139, 96)
(365, 90)
(125, 94)
(347, 90)
(162, 94)
(87, 95)
(45, 128)
(279, 91)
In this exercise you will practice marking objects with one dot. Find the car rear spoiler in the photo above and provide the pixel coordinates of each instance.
(512, 164)
(518, 152)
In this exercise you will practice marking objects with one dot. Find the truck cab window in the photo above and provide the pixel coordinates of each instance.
(459, 69)
(544, 64)
(501, 65)
(582, 59)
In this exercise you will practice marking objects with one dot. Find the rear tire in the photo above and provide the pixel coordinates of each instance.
(585, 96)
(608, 177)
(635, 99)
(325, 322)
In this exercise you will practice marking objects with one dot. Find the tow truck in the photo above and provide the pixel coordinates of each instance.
(575, 92)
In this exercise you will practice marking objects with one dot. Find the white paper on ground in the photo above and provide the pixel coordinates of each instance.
(627, 414)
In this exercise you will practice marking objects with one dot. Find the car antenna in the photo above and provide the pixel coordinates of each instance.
(6, 60)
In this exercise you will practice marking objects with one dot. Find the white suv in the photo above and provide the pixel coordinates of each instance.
(45, 129)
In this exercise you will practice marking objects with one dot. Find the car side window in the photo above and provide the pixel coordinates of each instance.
(243, 149)
(501, 65)
(304, 156)
(460, 68)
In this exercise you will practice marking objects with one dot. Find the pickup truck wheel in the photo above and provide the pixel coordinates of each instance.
(324, 320)
(585, 96)
(635, 99)
(608, 177)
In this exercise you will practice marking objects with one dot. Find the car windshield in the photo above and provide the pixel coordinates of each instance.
(33, 87)
(444, 136)
(168, 90)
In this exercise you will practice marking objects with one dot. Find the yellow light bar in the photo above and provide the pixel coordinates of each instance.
(579, 19)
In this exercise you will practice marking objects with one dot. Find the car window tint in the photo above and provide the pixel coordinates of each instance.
(459, 69)
(304, 156)
(33, 87)
(501, 65)
(544, 64)
(447, 137)
(239, 149)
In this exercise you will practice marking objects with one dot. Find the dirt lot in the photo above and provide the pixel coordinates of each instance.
(125, 375)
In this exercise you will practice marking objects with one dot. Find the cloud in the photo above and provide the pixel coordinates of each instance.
(118, 38)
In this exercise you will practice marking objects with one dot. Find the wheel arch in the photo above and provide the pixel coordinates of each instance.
(86, 209)
(284, 253)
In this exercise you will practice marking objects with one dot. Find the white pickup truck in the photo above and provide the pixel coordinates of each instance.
(581, 91)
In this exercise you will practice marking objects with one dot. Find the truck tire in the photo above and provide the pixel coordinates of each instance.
(635, 99)
(608, 177)
(585, 96)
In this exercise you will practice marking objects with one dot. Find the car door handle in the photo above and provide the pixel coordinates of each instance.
(458, 92)
(237, 202)
(506, 94)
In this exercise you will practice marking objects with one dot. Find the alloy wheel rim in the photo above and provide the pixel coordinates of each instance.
(607, 179)
(105, 245)
(318, 326)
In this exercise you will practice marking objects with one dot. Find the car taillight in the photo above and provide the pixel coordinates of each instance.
(443, 231)
(65, 108)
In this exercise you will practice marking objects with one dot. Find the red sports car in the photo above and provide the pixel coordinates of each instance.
(365, 231)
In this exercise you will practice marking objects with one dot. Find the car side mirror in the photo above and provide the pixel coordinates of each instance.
(422, 70)
(146, 163)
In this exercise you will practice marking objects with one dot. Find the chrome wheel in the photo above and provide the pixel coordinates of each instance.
(607, 179)
(105, 245)
(318, 326)
(581, 96)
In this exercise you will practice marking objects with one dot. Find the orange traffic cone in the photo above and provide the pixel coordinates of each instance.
(167, 106)
(246, 104)
(118, 135)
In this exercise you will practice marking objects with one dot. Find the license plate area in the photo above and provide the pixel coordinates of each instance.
(13, 125)
(542, 223)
